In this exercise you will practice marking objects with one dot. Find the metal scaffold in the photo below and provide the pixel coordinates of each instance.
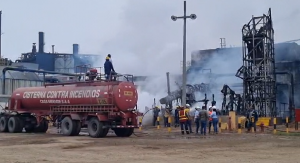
(258, 70)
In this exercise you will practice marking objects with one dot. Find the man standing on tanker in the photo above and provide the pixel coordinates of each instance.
(108, 69)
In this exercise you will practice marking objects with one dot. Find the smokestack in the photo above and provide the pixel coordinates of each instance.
(75, 48)
(53, 48)
(41, 42)
(168, 83)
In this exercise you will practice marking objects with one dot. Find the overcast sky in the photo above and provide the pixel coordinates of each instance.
(140, 30)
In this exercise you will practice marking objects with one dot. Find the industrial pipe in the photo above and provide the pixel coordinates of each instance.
(29, 70)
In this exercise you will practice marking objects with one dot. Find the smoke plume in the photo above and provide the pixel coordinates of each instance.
(149, 43)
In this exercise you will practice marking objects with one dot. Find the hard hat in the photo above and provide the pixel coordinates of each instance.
(177, 106)
(188, 105)
(214, 107)
(210, 107)
(197, 107)
(107, 58)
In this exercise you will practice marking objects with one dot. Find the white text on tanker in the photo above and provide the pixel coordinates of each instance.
(63, 94)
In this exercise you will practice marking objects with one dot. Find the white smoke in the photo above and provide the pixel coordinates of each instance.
(146, 48)
(149, 43)
(228, 61)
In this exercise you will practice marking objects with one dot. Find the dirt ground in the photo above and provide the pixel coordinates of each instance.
(148, 146)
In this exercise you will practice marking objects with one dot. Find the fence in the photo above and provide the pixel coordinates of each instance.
(12, 84)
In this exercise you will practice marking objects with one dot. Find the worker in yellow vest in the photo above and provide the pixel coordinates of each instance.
(183, 119)
(166, 117)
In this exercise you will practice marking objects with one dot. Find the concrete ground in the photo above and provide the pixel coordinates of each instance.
(149, 146)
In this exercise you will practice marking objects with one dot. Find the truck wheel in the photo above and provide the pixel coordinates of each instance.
(30, 128)
(95, 128)
(42, 128)
(123, 132)
(78, 127)
(129, 132)
(3, 124)
(68, 126)
(14, 125)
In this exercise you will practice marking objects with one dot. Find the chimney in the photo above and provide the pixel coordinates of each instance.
(41, 42)
(53, 49)
(33, 48)
(75, 48)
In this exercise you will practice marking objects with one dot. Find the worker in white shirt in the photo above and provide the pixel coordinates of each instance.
(215, 119)
(196, 119)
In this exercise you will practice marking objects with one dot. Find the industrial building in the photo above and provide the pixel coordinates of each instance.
(286, 57)
(268, 72)
(59, 62)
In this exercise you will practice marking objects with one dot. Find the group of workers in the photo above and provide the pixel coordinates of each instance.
(183, 118)
(202, 119)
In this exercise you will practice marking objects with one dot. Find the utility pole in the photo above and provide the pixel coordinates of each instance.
(169, 105)
(184, 17)
(0, 32)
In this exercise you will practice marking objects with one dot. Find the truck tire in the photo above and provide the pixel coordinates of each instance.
(14, 125)
(129, 132)
(78, 128)
(42, 127)
(95, 128)
(68, 126)
(124, 132)
(3, 124)
(30, 129)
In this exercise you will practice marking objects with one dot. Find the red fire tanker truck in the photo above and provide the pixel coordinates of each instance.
(98, 104)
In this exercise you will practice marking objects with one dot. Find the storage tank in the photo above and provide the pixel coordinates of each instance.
(122, 95)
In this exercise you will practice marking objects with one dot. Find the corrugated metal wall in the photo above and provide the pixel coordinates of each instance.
(12, 84)
(64, 63)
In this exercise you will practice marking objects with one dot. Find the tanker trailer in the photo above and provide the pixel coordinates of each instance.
(99, 105)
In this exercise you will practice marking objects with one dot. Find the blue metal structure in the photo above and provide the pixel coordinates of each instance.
(49, 61)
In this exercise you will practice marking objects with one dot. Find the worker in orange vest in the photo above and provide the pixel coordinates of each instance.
(183, 119)
(210, 119)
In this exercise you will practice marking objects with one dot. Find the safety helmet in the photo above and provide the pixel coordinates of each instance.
(209, 107)
(214, 107)
(197, 107)
(177, 106)
(187, 105)
(107, 58)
